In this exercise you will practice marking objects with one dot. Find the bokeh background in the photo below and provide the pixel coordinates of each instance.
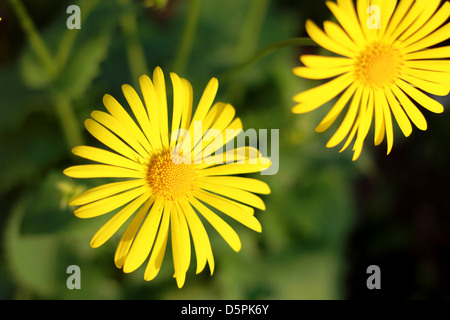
(327, 219)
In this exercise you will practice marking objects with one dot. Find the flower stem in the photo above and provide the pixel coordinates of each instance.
(135, 52)
(267, 50)
(68, 120)
(251, 29)
(185, 47)
(63, 107)
(37, 44)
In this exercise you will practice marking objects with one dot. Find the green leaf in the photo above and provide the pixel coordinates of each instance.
(84, 62)
(33, 72)
(49, 212)
(89, 49)
(31, 258)
(35, 148)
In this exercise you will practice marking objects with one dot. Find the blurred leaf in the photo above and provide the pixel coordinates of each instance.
(34, 74)
(84, 62)
(30, 259)
(158, 4)
(42, 238)
(88, 51)
(49, 212)
(307, 275)
(17, 101)
(28, 151)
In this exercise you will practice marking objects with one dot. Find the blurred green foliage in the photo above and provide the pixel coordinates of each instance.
(301, 253)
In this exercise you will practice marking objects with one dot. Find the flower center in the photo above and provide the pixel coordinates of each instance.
(170, 177)
(377, 65)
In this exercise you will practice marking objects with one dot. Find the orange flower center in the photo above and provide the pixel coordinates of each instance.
(378, 65)
(171, 176)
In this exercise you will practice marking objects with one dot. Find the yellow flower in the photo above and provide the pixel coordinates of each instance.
(169, 182)
(385, 65)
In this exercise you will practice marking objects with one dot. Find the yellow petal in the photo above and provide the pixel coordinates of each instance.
(233, 168)
(106, 157)
(199, 235)
(388, 123)
(127, 239)
(177, 248)
(439, 89)
(442, 67)
(366, 116)
(109, 122)
(185, 240)
(101, 171)
(410, 108)
(317, 74)
(206, 101)
(334, 31)
(223, 228)
(346, 15)
(398, 16)
(425, 26)
(106, 190)
(152, 105)
(438, 36)
(352, 134)
(408, 19)
(118, 112)
(139, 111)
(216, 121)
(111, 227)
(248, 184)
(235, 194)
(160, 90)
(110, 140)
(379, 117)
(421, 98)
(228, 134)
(324, 41)
(158, 251)
(399, 114)
(241, 155)
(434, 53)
(230, 208)
(109, 204)
(319, 62)
(178, 100)
(348, 121)
(186, 114)
(144, 239)
(313, 98)
(336, 109)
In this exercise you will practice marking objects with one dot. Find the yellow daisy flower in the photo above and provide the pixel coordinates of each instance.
(387, 62)
(169, 182)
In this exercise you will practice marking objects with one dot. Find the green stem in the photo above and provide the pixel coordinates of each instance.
(35, 39)
(63, 107)
(187, 39)
(251, 29)
(135, 52)
(267, 50)
(68, 120)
